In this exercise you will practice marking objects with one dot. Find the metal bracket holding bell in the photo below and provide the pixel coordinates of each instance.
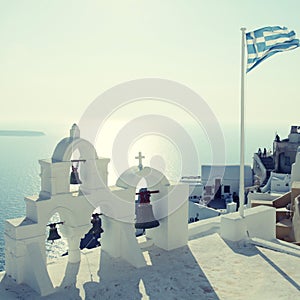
(78, 160)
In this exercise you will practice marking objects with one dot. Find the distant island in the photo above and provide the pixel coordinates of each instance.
(21, 133)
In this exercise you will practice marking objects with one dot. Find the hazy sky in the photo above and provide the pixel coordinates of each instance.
(57, 56)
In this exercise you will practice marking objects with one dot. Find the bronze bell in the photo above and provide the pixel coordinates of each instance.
(91, 239)
(144, 217)
(144, 214)
(74, 177)
(96, 229)
(53, 233)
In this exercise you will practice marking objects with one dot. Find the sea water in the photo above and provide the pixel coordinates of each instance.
(19, 167)
(19, 175)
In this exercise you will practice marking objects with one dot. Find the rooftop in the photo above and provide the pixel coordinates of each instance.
(207, 268)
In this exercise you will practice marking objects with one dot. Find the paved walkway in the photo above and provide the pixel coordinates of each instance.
(208, 268)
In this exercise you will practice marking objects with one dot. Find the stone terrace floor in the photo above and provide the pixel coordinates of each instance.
(207, 268)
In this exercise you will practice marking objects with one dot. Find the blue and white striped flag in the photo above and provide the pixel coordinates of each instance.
(264, 42)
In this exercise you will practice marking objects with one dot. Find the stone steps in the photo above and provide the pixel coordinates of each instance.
(284, 230)
(282, 213)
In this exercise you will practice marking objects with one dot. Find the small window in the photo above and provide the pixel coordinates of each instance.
(227, 189)
(208, 190)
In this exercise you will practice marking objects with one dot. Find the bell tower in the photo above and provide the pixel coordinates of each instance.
(25, 251)
(25, 237)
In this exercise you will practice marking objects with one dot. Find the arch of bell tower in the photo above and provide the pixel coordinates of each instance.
(25, 237)
(55, 177)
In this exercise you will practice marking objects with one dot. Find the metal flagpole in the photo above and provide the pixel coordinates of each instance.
(242, 133)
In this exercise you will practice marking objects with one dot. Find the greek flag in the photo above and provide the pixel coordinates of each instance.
(265, 42)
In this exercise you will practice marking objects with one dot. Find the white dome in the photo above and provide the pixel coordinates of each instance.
(132, 176)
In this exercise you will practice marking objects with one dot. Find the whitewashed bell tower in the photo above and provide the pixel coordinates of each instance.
(25, 237)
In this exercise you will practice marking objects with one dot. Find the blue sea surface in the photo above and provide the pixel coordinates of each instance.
(19, 175)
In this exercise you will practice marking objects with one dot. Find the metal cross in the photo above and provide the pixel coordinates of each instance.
(140, 157)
